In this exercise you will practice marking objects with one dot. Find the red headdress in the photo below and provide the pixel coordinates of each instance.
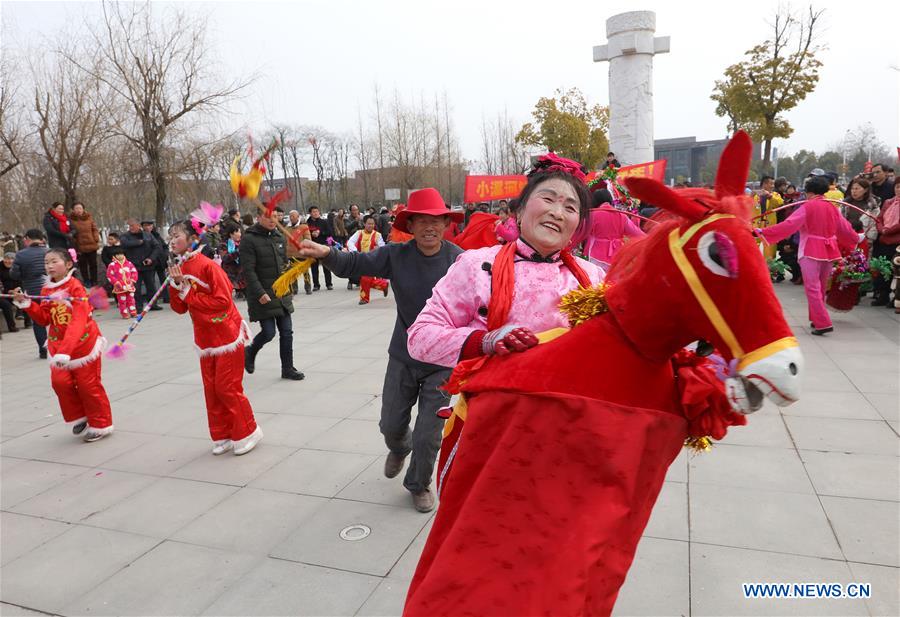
(551, 162)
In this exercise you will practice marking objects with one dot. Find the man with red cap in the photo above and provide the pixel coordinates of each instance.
(413, 268)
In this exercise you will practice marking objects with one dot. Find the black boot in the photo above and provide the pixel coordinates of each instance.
(292, 373)
(249, 360)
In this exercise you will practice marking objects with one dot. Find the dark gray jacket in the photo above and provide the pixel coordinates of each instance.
(140, 246)
(262, 260)
(412, 275)
(28, 267)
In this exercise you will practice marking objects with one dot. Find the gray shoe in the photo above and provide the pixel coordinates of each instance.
(393, 464)
(423, 501)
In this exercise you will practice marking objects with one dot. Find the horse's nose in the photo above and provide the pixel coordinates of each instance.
(777, 375)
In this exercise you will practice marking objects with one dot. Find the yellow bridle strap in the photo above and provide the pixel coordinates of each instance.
(686, 237)
(706, 302)
(767, 350)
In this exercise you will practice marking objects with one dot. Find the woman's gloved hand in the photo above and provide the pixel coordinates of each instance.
(508, 339)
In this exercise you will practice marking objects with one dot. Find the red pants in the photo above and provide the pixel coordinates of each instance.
(366, 283)
(227, 408)
(126, 304)
(81, 394)
(815, 279)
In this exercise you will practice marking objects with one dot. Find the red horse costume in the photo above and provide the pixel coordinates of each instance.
(566, 446)
(73, 335)
(219, 334)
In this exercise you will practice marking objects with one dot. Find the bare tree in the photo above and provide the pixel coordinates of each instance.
(70, 120)
(364, 151)
(10, 131)
(294, 147)
(162, 71)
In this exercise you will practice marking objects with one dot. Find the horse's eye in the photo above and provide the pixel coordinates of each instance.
(718, 253)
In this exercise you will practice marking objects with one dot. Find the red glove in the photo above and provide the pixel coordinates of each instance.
(508, 339)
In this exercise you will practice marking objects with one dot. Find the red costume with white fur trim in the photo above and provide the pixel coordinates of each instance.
(219, 334)
(75, 347)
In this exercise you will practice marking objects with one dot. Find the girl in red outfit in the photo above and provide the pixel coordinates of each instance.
(75, 346)
(201, 288)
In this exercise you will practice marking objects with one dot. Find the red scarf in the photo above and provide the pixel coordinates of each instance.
(63, 221)
(503, 282)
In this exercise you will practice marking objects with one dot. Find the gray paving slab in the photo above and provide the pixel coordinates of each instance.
(50, 576)
(84, 495)
(807, 493)
(278, 587)
(251, 520)
(20, 534)
(718, 573)
(319, 542)
(764, 520)
(314, 472)
(171, 579)
(162, 508)
(658, 582)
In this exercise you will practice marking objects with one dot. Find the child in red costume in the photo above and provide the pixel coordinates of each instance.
(201, 288)
(122, 274)
(75, 346)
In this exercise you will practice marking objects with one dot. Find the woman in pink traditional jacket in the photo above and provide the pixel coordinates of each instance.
(888, 226)
(824, 234)
(494, 300)
(609, 228)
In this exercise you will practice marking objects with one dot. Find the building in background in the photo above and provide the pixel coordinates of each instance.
(690, 160)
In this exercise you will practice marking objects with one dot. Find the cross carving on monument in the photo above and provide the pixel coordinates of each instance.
(629, 50)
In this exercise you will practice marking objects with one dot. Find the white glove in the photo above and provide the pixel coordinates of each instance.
(60, 360)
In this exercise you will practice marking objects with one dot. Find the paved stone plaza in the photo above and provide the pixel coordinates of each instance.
(148, 522)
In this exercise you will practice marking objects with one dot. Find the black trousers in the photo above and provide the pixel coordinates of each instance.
(87, 265)
(315, 274)
(285, 338)
(148, 278)
(882, 285)
(9, 313)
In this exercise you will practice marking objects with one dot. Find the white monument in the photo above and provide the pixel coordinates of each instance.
(629, 51)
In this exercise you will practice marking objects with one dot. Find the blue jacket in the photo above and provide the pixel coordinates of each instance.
(28, 267)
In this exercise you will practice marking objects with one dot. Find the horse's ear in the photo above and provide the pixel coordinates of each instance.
(734, 166)
(658, 194)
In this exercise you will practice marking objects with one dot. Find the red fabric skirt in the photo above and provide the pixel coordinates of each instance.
(548, 498)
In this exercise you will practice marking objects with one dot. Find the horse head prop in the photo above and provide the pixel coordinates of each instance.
(701, 275)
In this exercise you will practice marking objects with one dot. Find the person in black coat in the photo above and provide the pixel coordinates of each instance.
(58, 227)
(262, 259)
(161, 264)
(142, 250)
(320, 230)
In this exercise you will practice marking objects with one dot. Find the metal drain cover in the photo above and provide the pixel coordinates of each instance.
(353, 533)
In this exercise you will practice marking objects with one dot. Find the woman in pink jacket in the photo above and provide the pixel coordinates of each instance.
(824, 234)
(888, 226)
(609, 228)
(493, 300)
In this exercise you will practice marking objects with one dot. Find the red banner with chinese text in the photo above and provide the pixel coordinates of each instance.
(653, 169)
(489, 188)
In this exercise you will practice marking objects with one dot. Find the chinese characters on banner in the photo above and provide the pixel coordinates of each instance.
(489, 188)
(653, 169)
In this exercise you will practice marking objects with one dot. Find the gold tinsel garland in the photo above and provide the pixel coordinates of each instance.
(698, 445)
(582, 303)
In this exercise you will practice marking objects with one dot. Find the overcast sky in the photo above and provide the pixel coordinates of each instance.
(318, 61)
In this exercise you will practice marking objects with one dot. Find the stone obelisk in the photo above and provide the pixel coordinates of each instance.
(629, 50)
